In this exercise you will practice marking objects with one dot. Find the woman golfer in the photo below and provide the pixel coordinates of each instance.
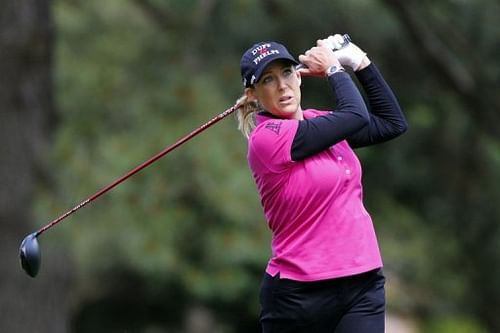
(325, 272)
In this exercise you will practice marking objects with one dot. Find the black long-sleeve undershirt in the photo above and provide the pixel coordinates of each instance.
(352, 120)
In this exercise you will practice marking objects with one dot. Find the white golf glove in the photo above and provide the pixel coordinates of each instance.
(350, 55)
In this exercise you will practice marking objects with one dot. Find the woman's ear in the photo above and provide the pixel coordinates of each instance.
(250, 93)
(299, 77)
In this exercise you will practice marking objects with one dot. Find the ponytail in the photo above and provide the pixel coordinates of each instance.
(246, 115)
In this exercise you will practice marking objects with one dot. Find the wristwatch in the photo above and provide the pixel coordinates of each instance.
(334, 69)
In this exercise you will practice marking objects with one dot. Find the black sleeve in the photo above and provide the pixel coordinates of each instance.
(350, 116)
(351, 121)
(386, 118)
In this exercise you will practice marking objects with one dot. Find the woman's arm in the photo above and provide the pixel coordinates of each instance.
(351, 115)
(386, 118)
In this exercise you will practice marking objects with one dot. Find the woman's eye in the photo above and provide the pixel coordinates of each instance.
(267, 79)
(287, 72)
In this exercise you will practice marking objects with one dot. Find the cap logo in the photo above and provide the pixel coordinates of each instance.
(263, 51)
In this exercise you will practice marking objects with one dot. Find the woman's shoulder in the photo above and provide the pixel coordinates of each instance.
(273, 127)
(269, 144)
(277, 127)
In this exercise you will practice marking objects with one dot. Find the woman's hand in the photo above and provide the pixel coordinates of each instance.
(318, 59)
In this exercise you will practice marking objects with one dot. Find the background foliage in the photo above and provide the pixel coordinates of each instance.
(181, 247)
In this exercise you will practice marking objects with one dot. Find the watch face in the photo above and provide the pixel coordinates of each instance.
(334, 69)
(331, 70)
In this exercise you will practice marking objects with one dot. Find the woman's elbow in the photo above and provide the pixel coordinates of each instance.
(364, 118)
(403, 126)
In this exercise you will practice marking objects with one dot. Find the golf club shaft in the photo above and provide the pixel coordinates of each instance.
(139, 168)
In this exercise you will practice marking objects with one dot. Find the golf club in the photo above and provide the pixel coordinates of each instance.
(29, 250)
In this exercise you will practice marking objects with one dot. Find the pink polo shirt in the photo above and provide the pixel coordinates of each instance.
(314, 207)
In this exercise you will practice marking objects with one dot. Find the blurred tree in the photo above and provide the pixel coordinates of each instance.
(458, 45)
(26, 118)
(184, 234)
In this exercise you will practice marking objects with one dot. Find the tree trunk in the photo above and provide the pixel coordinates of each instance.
(26, 115)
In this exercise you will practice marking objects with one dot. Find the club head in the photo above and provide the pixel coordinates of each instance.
(30, 255)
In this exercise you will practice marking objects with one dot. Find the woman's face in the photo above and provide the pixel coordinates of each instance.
(278, 90)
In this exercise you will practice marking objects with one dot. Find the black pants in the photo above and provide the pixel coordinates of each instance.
(344, 305)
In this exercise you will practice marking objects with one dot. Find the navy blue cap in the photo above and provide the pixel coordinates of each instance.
(255, 60)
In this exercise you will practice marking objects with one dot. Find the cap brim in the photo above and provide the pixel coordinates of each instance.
(268, 61)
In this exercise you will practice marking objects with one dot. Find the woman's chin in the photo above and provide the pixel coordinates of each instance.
(291, 112)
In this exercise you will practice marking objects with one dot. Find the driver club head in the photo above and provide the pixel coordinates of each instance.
(30, 255)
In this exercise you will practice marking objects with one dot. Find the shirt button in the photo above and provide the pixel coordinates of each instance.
(339, 158)
(348, 171)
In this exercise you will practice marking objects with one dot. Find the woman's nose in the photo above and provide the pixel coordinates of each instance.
(281, 82)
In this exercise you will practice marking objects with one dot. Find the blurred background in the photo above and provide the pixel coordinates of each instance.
(90, 89)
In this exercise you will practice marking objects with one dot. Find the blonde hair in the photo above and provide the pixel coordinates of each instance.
(246, 114)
